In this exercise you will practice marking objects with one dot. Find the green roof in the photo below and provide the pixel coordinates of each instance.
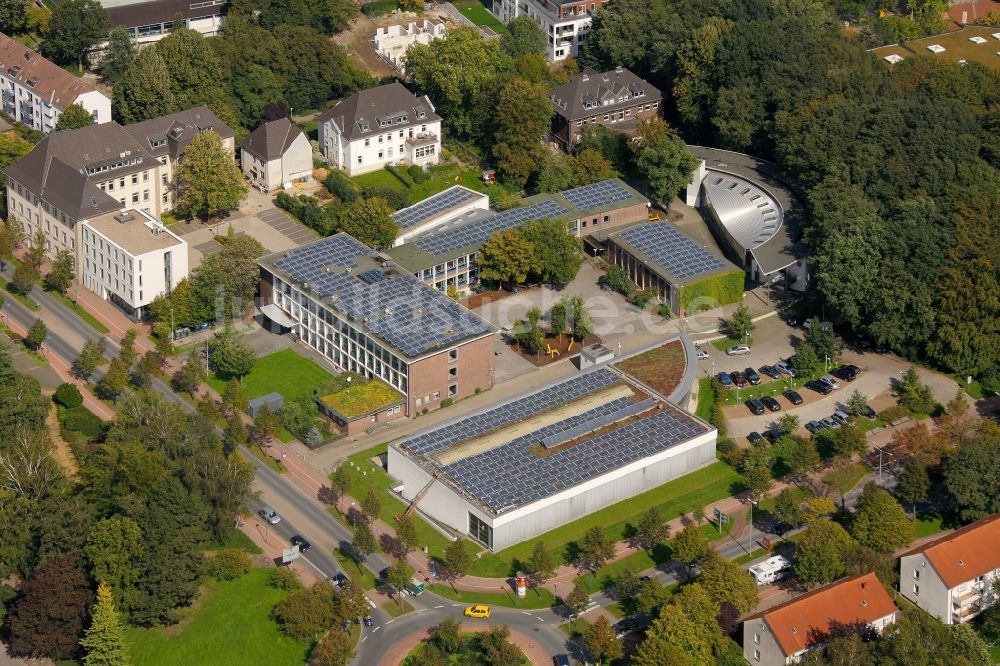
(359, 399)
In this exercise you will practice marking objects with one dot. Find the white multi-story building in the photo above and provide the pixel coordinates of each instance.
(35, 91)
(954, 578)
(380, 126)
(391, 42)
(149, 22)
(567, 24)
(129, 258)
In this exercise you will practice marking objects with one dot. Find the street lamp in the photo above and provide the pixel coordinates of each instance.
(750, 545)
(826, 363)
(882, 452)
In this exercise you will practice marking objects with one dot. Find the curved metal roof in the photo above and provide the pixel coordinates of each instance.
(748, 212)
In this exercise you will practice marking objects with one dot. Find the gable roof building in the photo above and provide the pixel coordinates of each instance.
(169, 135)
(953, 577)
(781, 635)
(36, 90)
(615, 99)
(275, 153)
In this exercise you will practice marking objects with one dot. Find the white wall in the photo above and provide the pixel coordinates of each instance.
(96, 102)
(373, 153)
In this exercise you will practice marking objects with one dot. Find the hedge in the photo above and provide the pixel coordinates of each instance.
(713, 291)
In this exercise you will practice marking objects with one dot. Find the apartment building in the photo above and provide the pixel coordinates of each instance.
(566, 24)
(954, 578)
(78, 174)
(129, 258)
(365, 314)
(617, 99)
(785, 633)
(380, 126)
(149, 22)
(391, 42)
(35, 91)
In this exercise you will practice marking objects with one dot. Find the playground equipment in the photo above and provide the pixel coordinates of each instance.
(570, 348)
(552, 353)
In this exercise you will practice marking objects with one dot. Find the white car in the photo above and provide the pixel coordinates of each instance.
(701, 353)
(738, 350)
(830, 381)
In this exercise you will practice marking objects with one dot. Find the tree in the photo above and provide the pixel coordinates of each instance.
(231, 356)
(61, 275)
(579, 598)
(507, 256)
(114, 549)
(127, 352)
(555, 173)
(595, 548)
(75, 28)
(24, 279)
(970, 474)
(540, 565)
(817, 507)
(90, 357)
(35, 256)
(758, 478)
(11, 231)
(740, 324)
(118, 56)
(821, 551)
(618, 279)
(914, 394)
(558, 251)
(306, 614)
(47, 618)
(406, 531)
(600, 639)
(673, 639)
(191, 374)
(7, 372)
(364, 542)
(590, 166)
(334, 649)
(457, 560)
(265, 425)
(805, 361)
(857, 404)
(208, 181)
(371, 505)
(36, 334)
(400, 575)
(144, 91)
(340, 481)
(523, 113)
(880, 522)
(652, 530)
(74, 116)
(663, 158)
(115, 380)
(13, 16)
(787, 424)
(787, 508)
(234, 401)
(579, 318)
(689, 545)
(523, 37)
(725, 581)
(196, 71)
(912, 483)
(370, 221)
(104, 640)
(826, 343)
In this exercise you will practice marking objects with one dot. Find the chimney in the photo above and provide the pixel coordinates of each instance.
(618, 69)
(585, 78)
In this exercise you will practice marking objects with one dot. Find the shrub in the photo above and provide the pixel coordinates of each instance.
(447, 402)
(68, 395)
(288, 203)
(306, 614)
(665, 311)
(229, 564)
(378, 7)
(82, 420)
(285, 578)
(341, 186)
(396, 197)
(398, 174)
(894, 413)
(417, 174)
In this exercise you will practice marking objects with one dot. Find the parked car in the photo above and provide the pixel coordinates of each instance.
(785, 367)
(384, 574)
(847, 372)
(625, 625)
(269, 515)
(880, 348)
(339, 579)
(819, 387)
(561, 660)
(738, 350)
(771, 403)
(739, 379)
(793, 397)
(701, 353)
(772, 435)
(830, 381)
(814, 426)
(299, 541)
(829, 422)
(755, 437)
(726, 381)
(869, 413)
(840, 417)
(752, 376)
(771, 371)
(807, 324)
(755, 406)
(368, 621)
(479, 611)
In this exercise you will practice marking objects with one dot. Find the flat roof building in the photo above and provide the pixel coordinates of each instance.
(151, 21)
(365, 314)
(544, 458)
(436, 210)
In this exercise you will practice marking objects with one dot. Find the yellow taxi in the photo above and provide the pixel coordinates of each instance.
(478, 611)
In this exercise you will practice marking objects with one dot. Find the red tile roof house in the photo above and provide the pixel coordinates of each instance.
(783, 634)
(953, 578)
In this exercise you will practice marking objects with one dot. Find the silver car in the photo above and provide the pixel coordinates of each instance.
(738, 350)
(830, 381)
(269, 515)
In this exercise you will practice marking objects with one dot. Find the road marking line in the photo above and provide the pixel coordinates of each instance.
(389, 622)
(421, 610)
(376, 629)
(454, 605)
(539, 619)
(441, 606)
(526, 612)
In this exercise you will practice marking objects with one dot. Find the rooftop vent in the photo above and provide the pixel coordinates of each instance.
(794, 630)
(864, 602)
(961, 563)
(122, 218)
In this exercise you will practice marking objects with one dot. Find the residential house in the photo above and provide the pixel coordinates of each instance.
(783, 634)
(35, 91)
(615, 99)
(954, 578)
(566, 24)
(275, 153)
(380, 126)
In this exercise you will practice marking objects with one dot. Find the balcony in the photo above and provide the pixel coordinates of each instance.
(422, 139)
(966, 598)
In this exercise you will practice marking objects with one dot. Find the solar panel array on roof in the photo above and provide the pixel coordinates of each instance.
(305, 262)
(511, 412)
(372, 275)
(513, 475)
(675, 252)
(597, 195)
(478, 232)
(433, 206)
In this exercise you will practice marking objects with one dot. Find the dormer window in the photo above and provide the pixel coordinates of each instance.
(363, 124)
(31, 82)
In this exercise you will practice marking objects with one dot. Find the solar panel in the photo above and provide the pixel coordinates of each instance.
(433, 206)
(676, 253)
(372, 275)
(479, 231)
(305, 262)
(597, 195)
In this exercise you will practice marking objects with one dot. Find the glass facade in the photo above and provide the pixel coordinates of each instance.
(480, 531)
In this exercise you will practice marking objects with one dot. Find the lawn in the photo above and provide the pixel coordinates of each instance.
(230, 623)
(476, 12)
(21, 298)
(286, 372)
(660, 369)
(845, 478)
(722, 344)
(359, 573)
(441, 178)
(397, 607)
(927, 525)
(471, 654)
(684, 495)
(706, 399)
(535, 598)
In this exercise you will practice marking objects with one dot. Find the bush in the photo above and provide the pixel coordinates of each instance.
(665, 311)
(417, 174)
(80, 419)
(341, 186)
(229, 564)
(398, 174)
(894, 413)
(396, 197)
(288, 203)
(306, 614)
(285, 578)
(68, 395)
(378, 7)
(447, 402)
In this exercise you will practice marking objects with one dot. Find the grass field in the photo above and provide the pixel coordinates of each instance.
(359, 573)
(845, 478)
(442, 177)
(926, 525)
(476, 12)
(230, 623)
(706, 398)
(285, 371)
(537, 598)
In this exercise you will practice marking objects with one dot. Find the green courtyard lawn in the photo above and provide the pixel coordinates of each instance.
(441, 178)
(476, 12)
(230, 623)
(286, 372)
(535, 598)
(678, 497)
(926, 525)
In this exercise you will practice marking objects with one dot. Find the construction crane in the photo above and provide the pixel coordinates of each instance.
(419, 496)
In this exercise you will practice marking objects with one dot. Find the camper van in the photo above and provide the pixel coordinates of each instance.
(771, 570)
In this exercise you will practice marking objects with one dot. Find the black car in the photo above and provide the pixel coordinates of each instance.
(869, 413)
(771, 403)
(771, 371)
(819, 387)
(814, 426)
(755, 437)
(299, 541)
(339, 579)
(625, 625)
(772, 435)
(880, 348)
(384, 574)
(560, 660)
(755, 406)
(846, 372)
(793, 397)
(752, 376)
